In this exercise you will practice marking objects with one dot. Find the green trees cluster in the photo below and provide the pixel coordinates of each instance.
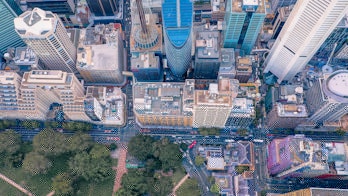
(209, 131)
(199, 160)
(88, 161)
(5, 124)
(10, 145)
(77, 126)
(30, 124)
(159, 156)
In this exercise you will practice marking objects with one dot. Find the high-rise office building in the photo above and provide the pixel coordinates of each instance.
(8, 36)
(306, 29)
(276, 4)
(327, 99)
(146, 67)
(46, 35)
(242, 113)
(212, 107)
(243, 22)
(279, 20)
(103, 7)
(9, 93)
(101, 55)
(314, 191)
(208, 56)
(177, 21)
(55, 6)
(228, 64)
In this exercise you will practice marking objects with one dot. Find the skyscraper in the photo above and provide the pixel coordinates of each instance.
(46, 35)
(103, 7)
(306, 29)
(281, 3)
(177, 21)
(55, 6)
(8, 37)
(243, 21)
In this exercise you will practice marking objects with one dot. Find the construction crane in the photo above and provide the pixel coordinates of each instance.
(331, 54)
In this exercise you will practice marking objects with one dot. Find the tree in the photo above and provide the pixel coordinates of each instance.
(215, 188)
(140, 147)
(113, 146)
(62, 184)
(135, 182)
(10, 142)
(30, 124)
(79, 142)
(242, 132)
(340, 131)
(241, 169)
(5, 124)
(161, 186)
(183, 146)
(199, 160)
(170, 156)
(49, 142)
(209, 131)
(95, 165)
(35, 163)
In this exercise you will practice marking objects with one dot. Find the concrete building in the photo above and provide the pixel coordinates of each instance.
(202, 11)
(242, 114)
(55, 6)
(343, 52)
(8, 37)
(9, 94)
(26, 60)
(298, 156)
(279, 20)
(208, 56)
(163, 104)
(327, 99)
(285, 107)
(177, 29)
(46, 35)
(218, 10)
(243, 22)
(314, 191)
(212, 107)
(39, 89)
(101, 55)
(146, 67)
(244, 68)
(228, 64)
(106, 105)
(299, 39)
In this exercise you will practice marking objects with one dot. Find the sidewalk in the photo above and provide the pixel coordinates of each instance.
(121, 167)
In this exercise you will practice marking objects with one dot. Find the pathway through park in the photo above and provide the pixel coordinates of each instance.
(17, 186)
(121, 167)
(179, 184)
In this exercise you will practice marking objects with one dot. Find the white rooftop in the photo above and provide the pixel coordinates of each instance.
(338, 84)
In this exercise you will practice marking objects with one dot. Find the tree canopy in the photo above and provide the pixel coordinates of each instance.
(199, 160)
(62, 184)
(35, 163)
(49, 142)
(140, 147)
(10, 142)
(79, 142)
(209, 131)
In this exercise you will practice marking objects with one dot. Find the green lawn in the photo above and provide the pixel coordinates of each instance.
(178, 175)
(9, 190)
(39, 184)
(189, 188)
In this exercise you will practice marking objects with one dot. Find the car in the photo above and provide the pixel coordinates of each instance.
(192, 144)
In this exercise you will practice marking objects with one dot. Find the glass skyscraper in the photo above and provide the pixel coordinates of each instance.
(177, 27)
(243, 21)
(8, 36)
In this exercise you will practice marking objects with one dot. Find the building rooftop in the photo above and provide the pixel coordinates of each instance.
(24, 55)
(145, 61)
(47, 77)
(292, 110)
(257, 6)
(335, 85)
(212, 97)
(328, 192)
(160, 98)
(207, 45)
(36, 22)
(243, 106)
(215, 163)
(8, 77)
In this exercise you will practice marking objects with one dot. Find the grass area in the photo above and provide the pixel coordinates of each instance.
(114, 162)
(189, 188)
(104, 188)
(178, 175)
(9, 190)
(39, 184)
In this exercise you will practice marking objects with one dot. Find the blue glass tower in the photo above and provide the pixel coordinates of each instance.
(8, 36)
(177, 27)
(243, 22)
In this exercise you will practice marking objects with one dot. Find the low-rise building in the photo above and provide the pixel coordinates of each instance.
(9, 94)
(101, 55)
